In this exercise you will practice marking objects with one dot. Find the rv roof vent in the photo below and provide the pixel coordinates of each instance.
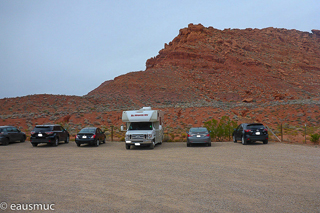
(146, 108)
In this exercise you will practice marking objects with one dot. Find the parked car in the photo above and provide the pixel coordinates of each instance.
(90, 135)
(11, 134)
(50, 134)
(251, 132)
(198, 135)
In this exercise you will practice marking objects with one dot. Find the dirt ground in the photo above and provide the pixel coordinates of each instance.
(226, 177)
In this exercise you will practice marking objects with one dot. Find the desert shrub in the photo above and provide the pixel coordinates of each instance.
(315, 138)
(165, 138)
(221, 129)
(172, 136)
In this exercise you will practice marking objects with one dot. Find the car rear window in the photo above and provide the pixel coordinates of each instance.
(198, 130)
(42, 128)
(87, 131)
(255, 126)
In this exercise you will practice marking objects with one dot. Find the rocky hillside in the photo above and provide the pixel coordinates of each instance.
(265, 75)
(230, 65)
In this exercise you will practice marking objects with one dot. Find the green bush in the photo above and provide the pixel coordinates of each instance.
(221, 129)
(315, 138)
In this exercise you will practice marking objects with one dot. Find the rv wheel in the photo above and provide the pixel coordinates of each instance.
(152, 145)
(127, 146)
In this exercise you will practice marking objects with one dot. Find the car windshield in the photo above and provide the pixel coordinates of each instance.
(140, 126)
(88, 130)
(255, 126)
(200, 129)
(42, 128)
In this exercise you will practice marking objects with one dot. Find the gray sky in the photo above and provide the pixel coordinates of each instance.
(70, 47)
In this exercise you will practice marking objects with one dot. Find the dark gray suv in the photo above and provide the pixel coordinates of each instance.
(50, 134)
(252, 132)
(11, 134)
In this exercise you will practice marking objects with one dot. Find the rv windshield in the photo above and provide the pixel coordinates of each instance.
(140, 126)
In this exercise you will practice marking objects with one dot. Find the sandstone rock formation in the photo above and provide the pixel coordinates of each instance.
(203, 63)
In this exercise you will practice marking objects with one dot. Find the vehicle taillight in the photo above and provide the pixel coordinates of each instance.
(32, 132)
(77, 137)
(189, 135)
(266, 130)
(208, 135)
(93, 136)
(49, 133)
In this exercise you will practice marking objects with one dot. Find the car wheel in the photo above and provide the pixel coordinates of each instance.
(67, 140)
(188, 144)
(23, 139)
(152, 145)
(243, 141)
(265, 142)
(97, 143)
(56, 142)
(104, 140)
(5, 141)
(234, 139)
(34, 144)
(128, 146)
(78, 144)
(209, 144)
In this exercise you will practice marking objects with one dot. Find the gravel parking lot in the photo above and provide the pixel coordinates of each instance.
(226, 177)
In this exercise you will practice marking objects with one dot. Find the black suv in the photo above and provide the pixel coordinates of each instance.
(50, 134)
(250, 133)
(11, 134)
(90, 135)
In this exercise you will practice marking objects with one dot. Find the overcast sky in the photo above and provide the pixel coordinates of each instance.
(70, 47)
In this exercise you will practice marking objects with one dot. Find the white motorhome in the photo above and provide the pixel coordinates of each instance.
(144, 127)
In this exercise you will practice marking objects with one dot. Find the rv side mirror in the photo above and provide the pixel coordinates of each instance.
(121, 128)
